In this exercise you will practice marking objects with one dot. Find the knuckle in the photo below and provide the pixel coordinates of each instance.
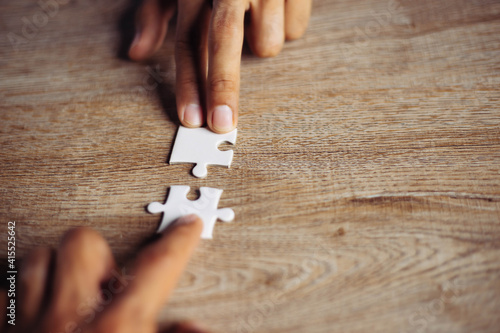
(269, 42)
(224, 21)
(85, 239)
(223, 83)
(183, 44)
(184, 50)
(187, 81)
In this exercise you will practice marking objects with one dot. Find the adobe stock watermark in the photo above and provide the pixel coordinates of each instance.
(420, 320)
(265, 308)
(11, 272)
(47, 10)
(87, 310)
(153, 78)
(372, 28)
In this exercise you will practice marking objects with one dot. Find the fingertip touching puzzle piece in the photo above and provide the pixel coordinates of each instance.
(199, 146)
(178, 205)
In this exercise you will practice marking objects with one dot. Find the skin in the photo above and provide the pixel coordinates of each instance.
(208, 48)
(59, 291)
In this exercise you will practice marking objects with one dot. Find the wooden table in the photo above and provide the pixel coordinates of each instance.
(365, 180)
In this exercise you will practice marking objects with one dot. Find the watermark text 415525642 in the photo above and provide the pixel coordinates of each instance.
(11, 272)
(47, 9)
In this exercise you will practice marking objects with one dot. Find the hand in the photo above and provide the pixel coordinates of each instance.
(84, 292)
(208, 48)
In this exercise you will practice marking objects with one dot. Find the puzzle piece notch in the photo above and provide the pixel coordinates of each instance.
(200, 146)
(178, 205)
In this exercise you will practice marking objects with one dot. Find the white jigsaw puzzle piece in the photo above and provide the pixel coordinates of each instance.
(199, 146)
(178, 205)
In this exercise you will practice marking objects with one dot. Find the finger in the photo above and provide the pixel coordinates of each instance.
(297, 13)
(191, 60)
(83, 262)
(225, 41)
(151, 27)
(266, 33)
(33, 284)
(152, 278)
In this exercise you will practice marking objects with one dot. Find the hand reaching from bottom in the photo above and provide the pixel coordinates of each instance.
(79, 289)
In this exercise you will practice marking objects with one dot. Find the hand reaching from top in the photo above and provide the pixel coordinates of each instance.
(209, 39)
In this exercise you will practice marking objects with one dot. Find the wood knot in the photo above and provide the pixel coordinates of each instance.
(340, 232)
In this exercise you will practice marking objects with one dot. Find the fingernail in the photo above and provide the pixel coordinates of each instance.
(222, 119)
(188, 219)
(193, 115)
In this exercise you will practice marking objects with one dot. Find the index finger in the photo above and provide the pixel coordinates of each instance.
(225, 42)
(153, 277)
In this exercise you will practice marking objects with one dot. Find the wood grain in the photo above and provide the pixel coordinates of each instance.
(365, 181)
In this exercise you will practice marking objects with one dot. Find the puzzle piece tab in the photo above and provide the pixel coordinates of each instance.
(177, 205)
(199, 146)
